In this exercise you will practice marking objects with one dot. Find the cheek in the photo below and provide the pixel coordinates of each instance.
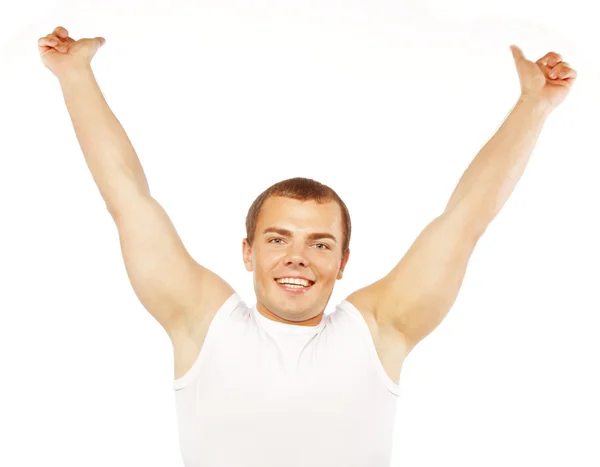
(331, 272)
(267, 262)
(325, 267)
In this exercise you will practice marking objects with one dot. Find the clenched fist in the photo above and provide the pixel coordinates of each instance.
(63, 55)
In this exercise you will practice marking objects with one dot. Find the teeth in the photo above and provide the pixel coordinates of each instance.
(294, 281)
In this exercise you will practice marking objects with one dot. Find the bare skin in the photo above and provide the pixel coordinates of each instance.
(184, 296)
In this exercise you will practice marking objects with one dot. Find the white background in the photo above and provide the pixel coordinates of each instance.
(387, 103)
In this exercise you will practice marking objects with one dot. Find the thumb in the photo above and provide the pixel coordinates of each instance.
(89, 46)
(517, 54)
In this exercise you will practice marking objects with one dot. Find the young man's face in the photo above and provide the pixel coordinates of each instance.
(276, 255)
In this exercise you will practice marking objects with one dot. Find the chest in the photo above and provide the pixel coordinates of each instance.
(291, 387)
(390, 347)
(251, 391)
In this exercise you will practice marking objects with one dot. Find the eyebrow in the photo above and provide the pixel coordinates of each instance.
(287, 233)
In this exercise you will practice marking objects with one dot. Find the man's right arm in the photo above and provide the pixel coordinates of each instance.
(174, 288)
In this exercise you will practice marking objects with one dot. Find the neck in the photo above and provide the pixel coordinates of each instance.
(263, 310)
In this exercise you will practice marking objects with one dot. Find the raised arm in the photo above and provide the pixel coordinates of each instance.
(174, 288)
(418, 293)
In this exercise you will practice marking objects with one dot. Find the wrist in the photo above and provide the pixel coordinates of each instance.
(537, 105)
(74, 75)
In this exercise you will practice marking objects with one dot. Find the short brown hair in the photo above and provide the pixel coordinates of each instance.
(303, 189)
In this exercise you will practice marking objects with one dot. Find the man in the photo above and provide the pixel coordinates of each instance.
(280, 383)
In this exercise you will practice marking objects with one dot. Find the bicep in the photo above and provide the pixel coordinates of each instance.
(169, 283)
(418, 293)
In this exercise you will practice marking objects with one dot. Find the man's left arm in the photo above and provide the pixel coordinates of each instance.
(419, 292)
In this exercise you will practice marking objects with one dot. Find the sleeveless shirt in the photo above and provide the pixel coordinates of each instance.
(267, 394)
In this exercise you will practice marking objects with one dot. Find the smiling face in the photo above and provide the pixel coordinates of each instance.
(296, 239)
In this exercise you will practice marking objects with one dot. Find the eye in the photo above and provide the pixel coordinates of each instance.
(327, 247)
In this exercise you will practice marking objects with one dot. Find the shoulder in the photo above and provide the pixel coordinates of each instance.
(364, 303)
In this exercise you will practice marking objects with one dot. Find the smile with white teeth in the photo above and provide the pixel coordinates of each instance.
(294, 282)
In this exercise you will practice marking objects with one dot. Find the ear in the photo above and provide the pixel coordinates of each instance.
(343, 263)
(247, 255)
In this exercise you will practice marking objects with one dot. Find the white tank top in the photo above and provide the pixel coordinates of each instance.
(268, 394)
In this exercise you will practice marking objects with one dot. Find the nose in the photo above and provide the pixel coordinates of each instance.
(295, 256)
(296, 260)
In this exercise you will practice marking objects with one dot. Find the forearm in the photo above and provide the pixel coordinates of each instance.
(492, 176)
(109, 154)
